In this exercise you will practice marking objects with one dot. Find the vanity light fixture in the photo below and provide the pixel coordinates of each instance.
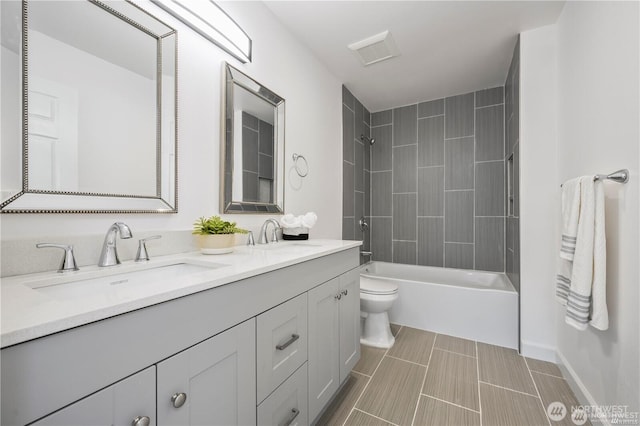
(209, 20)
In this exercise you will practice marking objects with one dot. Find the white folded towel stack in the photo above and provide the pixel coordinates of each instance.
(581, 279)
(296, 225)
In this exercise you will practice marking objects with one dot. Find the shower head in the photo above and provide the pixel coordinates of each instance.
(364, 138)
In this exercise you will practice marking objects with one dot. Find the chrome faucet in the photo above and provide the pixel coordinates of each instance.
(109, 255)
(262, 238)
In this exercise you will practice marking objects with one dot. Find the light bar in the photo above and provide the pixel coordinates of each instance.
(207, 19)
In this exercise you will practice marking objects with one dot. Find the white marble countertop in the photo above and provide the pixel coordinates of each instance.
(28, 313)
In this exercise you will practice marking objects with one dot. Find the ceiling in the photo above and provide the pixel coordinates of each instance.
(446, 47)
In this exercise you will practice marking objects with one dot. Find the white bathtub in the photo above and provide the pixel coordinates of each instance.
(474, 305)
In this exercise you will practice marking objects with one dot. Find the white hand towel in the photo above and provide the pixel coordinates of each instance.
(309, 220)
(290, 221)
(599, 313)
(581, 280)
(570, 215)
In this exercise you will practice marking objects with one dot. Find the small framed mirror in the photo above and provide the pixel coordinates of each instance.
(88, 108)
(253, 149)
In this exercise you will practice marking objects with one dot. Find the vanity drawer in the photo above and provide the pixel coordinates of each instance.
(287, 405)
(281, 343)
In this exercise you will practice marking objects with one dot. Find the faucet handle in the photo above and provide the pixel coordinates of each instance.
(143, 254)
(250, 240)
(68, 261)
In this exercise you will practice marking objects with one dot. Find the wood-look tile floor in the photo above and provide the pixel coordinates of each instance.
(437, 380)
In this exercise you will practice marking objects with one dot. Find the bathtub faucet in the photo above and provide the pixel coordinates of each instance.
(367, 253)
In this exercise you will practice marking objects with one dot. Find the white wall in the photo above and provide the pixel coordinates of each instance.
(313, 128)
(598, 132)
(539, 192)
(106, 94)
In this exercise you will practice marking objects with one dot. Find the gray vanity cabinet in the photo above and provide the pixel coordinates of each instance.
(334, 337)
(193, 360)
(211, 383)
(128, 402)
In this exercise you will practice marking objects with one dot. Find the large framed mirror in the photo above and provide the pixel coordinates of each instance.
(88, 108)
(253, 149)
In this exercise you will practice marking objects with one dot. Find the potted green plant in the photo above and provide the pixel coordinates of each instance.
(214, 235)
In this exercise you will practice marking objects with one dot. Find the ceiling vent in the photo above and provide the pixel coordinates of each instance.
(375, 48)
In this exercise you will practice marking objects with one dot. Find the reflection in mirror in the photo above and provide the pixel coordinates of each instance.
(253, 175)
(99, 89)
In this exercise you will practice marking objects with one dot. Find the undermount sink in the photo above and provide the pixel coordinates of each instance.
(114, 280)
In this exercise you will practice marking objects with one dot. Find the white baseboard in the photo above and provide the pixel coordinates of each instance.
(579, 389)
(538, 351)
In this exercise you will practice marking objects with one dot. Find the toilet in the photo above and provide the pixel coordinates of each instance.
(376, 298)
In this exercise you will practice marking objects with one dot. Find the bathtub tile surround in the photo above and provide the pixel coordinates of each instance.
(450, 388)
(512, 161)
(437, 174)
(356, 166)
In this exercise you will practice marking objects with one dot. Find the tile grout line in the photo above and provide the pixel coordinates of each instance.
(424, 379)
(455, 353)
(546, 374)
(379, 418)
(509, 389)
(406, 360)
(367, 385)
(537, 391)
(450, 403)
(478, 371)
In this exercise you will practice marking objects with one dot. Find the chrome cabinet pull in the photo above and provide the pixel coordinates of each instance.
(286, 344)
(338, 296)
(345, 292)
(141, 421)
(294, 414)
(178, 399)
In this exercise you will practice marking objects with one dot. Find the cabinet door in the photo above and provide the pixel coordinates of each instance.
(122, 403)
(211, 383)
(349, 322)
(324, 338)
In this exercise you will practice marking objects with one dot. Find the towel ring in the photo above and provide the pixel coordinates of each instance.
(296, 164)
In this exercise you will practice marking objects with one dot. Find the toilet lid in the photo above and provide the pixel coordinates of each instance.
(377, 286)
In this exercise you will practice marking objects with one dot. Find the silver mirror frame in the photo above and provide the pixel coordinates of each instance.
(232, 76)
(31, 200)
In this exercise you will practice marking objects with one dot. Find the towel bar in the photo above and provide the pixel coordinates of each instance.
(619, 176)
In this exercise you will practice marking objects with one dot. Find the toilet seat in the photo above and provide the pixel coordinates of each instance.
(377, 286)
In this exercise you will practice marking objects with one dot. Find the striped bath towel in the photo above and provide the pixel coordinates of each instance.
(581, 280)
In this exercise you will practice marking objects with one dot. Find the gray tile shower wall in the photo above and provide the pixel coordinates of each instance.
(437, 182)
(356, 171)
(512, 161)
(257, 159)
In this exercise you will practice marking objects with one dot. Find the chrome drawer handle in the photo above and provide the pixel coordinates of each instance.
(345, 292)
(294, 414)
(338, 296)
(286, 344)
(141, 421)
